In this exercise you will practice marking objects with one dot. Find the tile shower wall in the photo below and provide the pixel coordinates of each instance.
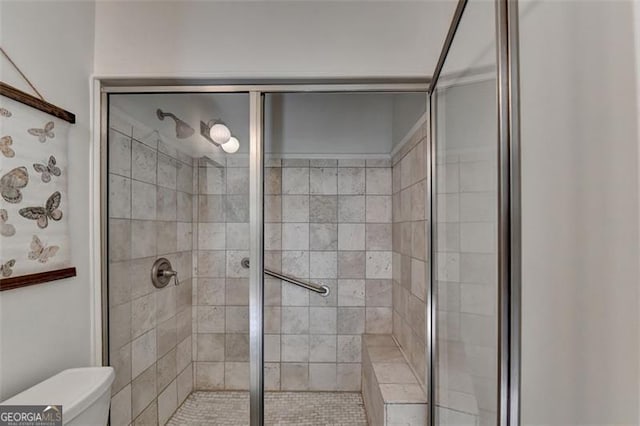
(150, 216)
(466, 275)
(410, 256)
(326, 221)
(467, 285)
(221, 290)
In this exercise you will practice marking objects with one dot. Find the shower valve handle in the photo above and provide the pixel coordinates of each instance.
(171, 273)
(161, 273)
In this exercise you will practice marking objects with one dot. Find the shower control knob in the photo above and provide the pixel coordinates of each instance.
(161, 273)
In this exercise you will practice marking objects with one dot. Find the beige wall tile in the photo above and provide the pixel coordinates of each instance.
(167, 204)
(323, 181)
(351, 236)
(120, 409)
(323, 320)
(349, 348)
(143, 352)
(120, 360)
(351, 264)
(143, 314)
(322, 376)
(119, 196)
(211, 319)
(295, 180)
(295, 236)
(351, 292)
(351, 180)
(143, 390)
(323, 264)
(166, 370)
(209, 375)
(323, 348)
(166, 336)
(144, 162)
(149, 416)
(348, 377)
(295, 348)
(184, 384)
(236, 375)
(322, 236)
(236, 347)
(295, 208)
(351, 320)
(294, 376)
(323, 208)
(210, 347)
(237, 319)
(351, 208)
(167, 403)
(378, 181)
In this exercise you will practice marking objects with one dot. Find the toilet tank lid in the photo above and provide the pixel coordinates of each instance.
(75, 389)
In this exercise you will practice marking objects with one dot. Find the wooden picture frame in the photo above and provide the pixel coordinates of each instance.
(9, 283)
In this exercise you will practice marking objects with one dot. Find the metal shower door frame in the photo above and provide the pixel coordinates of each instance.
(509, 209)
(509, 213)
(257, 91)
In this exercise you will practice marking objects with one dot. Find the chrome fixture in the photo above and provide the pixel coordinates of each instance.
(216, 132)
(183, 130)
(322, 290)
(161, 273)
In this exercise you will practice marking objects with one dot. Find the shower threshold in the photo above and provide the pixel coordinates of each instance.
(281, 408)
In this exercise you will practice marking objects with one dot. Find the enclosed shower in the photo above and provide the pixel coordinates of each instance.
(316, 253)
(182, 204)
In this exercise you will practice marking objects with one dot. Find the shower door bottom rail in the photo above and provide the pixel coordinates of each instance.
(322, 290)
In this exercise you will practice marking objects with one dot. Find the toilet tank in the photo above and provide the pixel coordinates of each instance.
(84, 394)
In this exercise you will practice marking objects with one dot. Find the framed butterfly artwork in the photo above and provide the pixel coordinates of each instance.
(35, 244)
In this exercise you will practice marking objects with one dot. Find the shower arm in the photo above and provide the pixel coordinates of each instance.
(161, 115)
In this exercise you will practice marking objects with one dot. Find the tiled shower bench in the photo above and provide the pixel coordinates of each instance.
(392, 393)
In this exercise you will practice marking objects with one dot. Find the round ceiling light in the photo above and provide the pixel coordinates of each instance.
(220, 133)
(231, 145)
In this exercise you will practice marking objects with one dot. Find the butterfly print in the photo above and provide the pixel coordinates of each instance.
(6, 268)
(40, 252)
(44, 133)
(6, 230)
(12, 183)
(5, 112)
(5, 147)
(47, 170)
(43, 214)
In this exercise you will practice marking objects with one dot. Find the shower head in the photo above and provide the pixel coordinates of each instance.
(183, 130)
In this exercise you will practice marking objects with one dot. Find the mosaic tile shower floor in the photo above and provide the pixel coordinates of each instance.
(281, 408)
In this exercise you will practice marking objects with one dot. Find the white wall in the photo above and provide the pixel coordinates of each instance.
(270, 39)
(636, 19)
(328, 124)
(295, 123)
(477, 103)
(408, 109)
(46, 328)
(580, 213)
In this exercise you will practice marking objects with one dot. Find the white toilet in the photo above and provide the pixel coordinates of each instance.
(84, 394)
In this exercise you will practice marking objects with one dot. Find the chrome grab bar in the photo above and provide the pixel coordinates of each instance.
(322, 290)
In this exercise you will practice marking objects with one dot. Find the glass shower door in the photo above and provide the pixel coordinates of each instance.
(466, 234)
